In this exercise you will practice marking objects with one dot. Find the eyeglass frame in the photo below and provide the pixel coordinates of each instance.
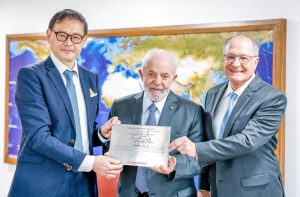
(67, 37)
(248, 57)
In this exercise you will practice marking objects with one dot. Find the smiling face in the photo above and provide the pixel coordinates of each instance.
(237, 70)
(158, 76)
(66, 51)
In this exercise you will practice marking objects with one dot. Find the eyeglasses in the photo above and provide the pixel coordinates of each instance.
(242, 58)
(62, 37)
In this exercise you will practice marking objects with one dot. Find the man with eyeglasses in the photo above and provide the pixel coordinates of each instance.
(242, 117)
(58, 103)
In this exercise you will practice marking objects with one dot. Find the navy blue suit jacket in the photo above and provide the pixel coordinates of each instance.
(47, 162)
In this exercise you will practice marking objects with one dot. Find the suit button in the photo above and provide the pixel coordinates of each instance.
(69, 167)
(72, 141)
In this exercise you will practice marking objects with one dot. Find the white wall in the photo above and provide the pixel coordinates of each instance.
(32, 16)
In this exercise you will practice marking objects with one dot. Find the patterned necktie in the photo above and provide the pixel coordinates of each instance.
(73, 98)
(142, 172)
(233, 97)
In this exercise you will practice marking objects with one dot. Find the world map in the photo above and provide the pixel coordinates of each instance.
(116, 60)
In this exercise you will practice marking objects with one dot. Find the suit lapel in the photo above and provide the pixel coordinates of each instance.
(168, 110)
(56, 79)
(85, 85)
(217, 97)
(137, 109)
(241, 103)
(213, 106)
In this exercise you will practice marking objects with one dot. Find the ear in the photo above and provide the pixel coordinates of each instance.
(84, 40)
(175, 77)
(256, 62)
(48, 34)
(141, 74)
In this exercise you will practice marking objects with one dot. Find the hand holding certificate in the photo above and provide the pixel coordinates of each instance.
(140, 145)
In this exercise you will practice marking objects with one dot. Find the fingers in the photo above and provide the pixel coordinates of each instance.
(171, 161)
(114, 120)
(184, 145)
(107, 127)
(160, 169)
(155, 168)
(176, 143)
(107, 167)
(114, 161)
(166, 169)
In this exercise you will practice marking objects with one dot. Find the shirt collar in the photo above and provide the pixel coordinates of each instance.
(147, 102)
(61, 67)
(240, 90)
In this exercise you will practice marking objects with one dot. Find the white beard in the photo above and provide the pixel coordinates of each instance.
(157, 97)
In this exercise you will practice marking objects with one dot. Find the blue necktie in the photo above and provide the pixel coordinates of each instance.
(233, 97)
(73, 98)
(142, 172)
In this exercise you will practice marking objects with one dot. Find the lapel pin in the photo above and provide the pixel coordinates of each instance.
(171, 107)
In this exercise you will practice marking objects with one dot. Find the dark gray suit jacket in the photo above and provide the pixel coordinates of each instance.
(243, 163)
(185, 119)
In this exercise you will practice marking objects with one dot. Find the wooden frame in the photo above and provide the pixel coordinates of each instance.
(276, 26)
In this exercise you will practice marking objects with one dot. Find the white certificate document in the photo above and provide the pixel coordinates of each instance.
(140, 145)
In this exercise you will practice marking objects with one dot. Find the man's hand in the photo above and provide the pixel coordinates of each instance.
(107, 127)
(203, 193)
(166, 170)
(107, 167)
(184, 145)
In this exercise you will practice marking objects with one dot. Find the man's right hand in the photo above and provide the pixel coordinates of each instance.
(107, 167)
(185, 146)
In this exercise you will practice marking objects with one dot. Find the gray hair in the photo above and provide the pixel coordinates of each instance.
(254, 43)
(156, 53)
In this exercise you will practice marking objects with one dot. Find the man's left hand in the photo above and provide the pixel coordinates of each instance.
(166, 170)
(107, 127)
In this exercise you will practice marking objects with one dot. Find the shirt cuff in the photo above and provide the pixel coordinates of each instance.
(102, 139)
(87, 164)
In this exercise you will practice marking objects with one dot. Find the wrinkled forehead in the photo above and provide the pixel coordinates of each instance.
(161, 65)
(240, 45)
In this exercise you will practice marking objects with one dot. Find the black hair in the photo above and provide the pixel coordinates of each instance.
(70, 14)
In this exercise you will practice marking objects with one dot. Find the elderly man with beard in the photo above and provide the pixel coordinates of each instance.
(184, 117)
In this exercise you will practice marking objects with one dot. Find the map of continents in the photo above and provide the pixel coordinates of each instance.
(116, 60)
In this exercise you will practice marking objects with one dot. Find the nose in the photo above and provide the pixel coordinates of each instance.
(236, 62)
(68, 41)
(157, 80)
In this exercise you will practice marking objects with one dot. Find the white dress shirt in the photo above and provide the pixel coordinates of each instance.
(88, 161)
(217, 121)
(146, 112)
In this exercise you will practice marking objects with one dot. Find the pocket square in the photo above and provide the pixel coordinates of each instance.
(92, 93)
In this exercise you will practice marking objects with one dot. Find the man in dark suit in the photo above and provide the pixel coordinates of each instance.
(184, 117)
(242, 117)
(55, 157)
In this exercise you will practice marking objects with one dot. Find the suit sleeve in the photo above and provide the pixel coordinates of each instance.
(260, 128)
(36, 122)
(187, 167)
